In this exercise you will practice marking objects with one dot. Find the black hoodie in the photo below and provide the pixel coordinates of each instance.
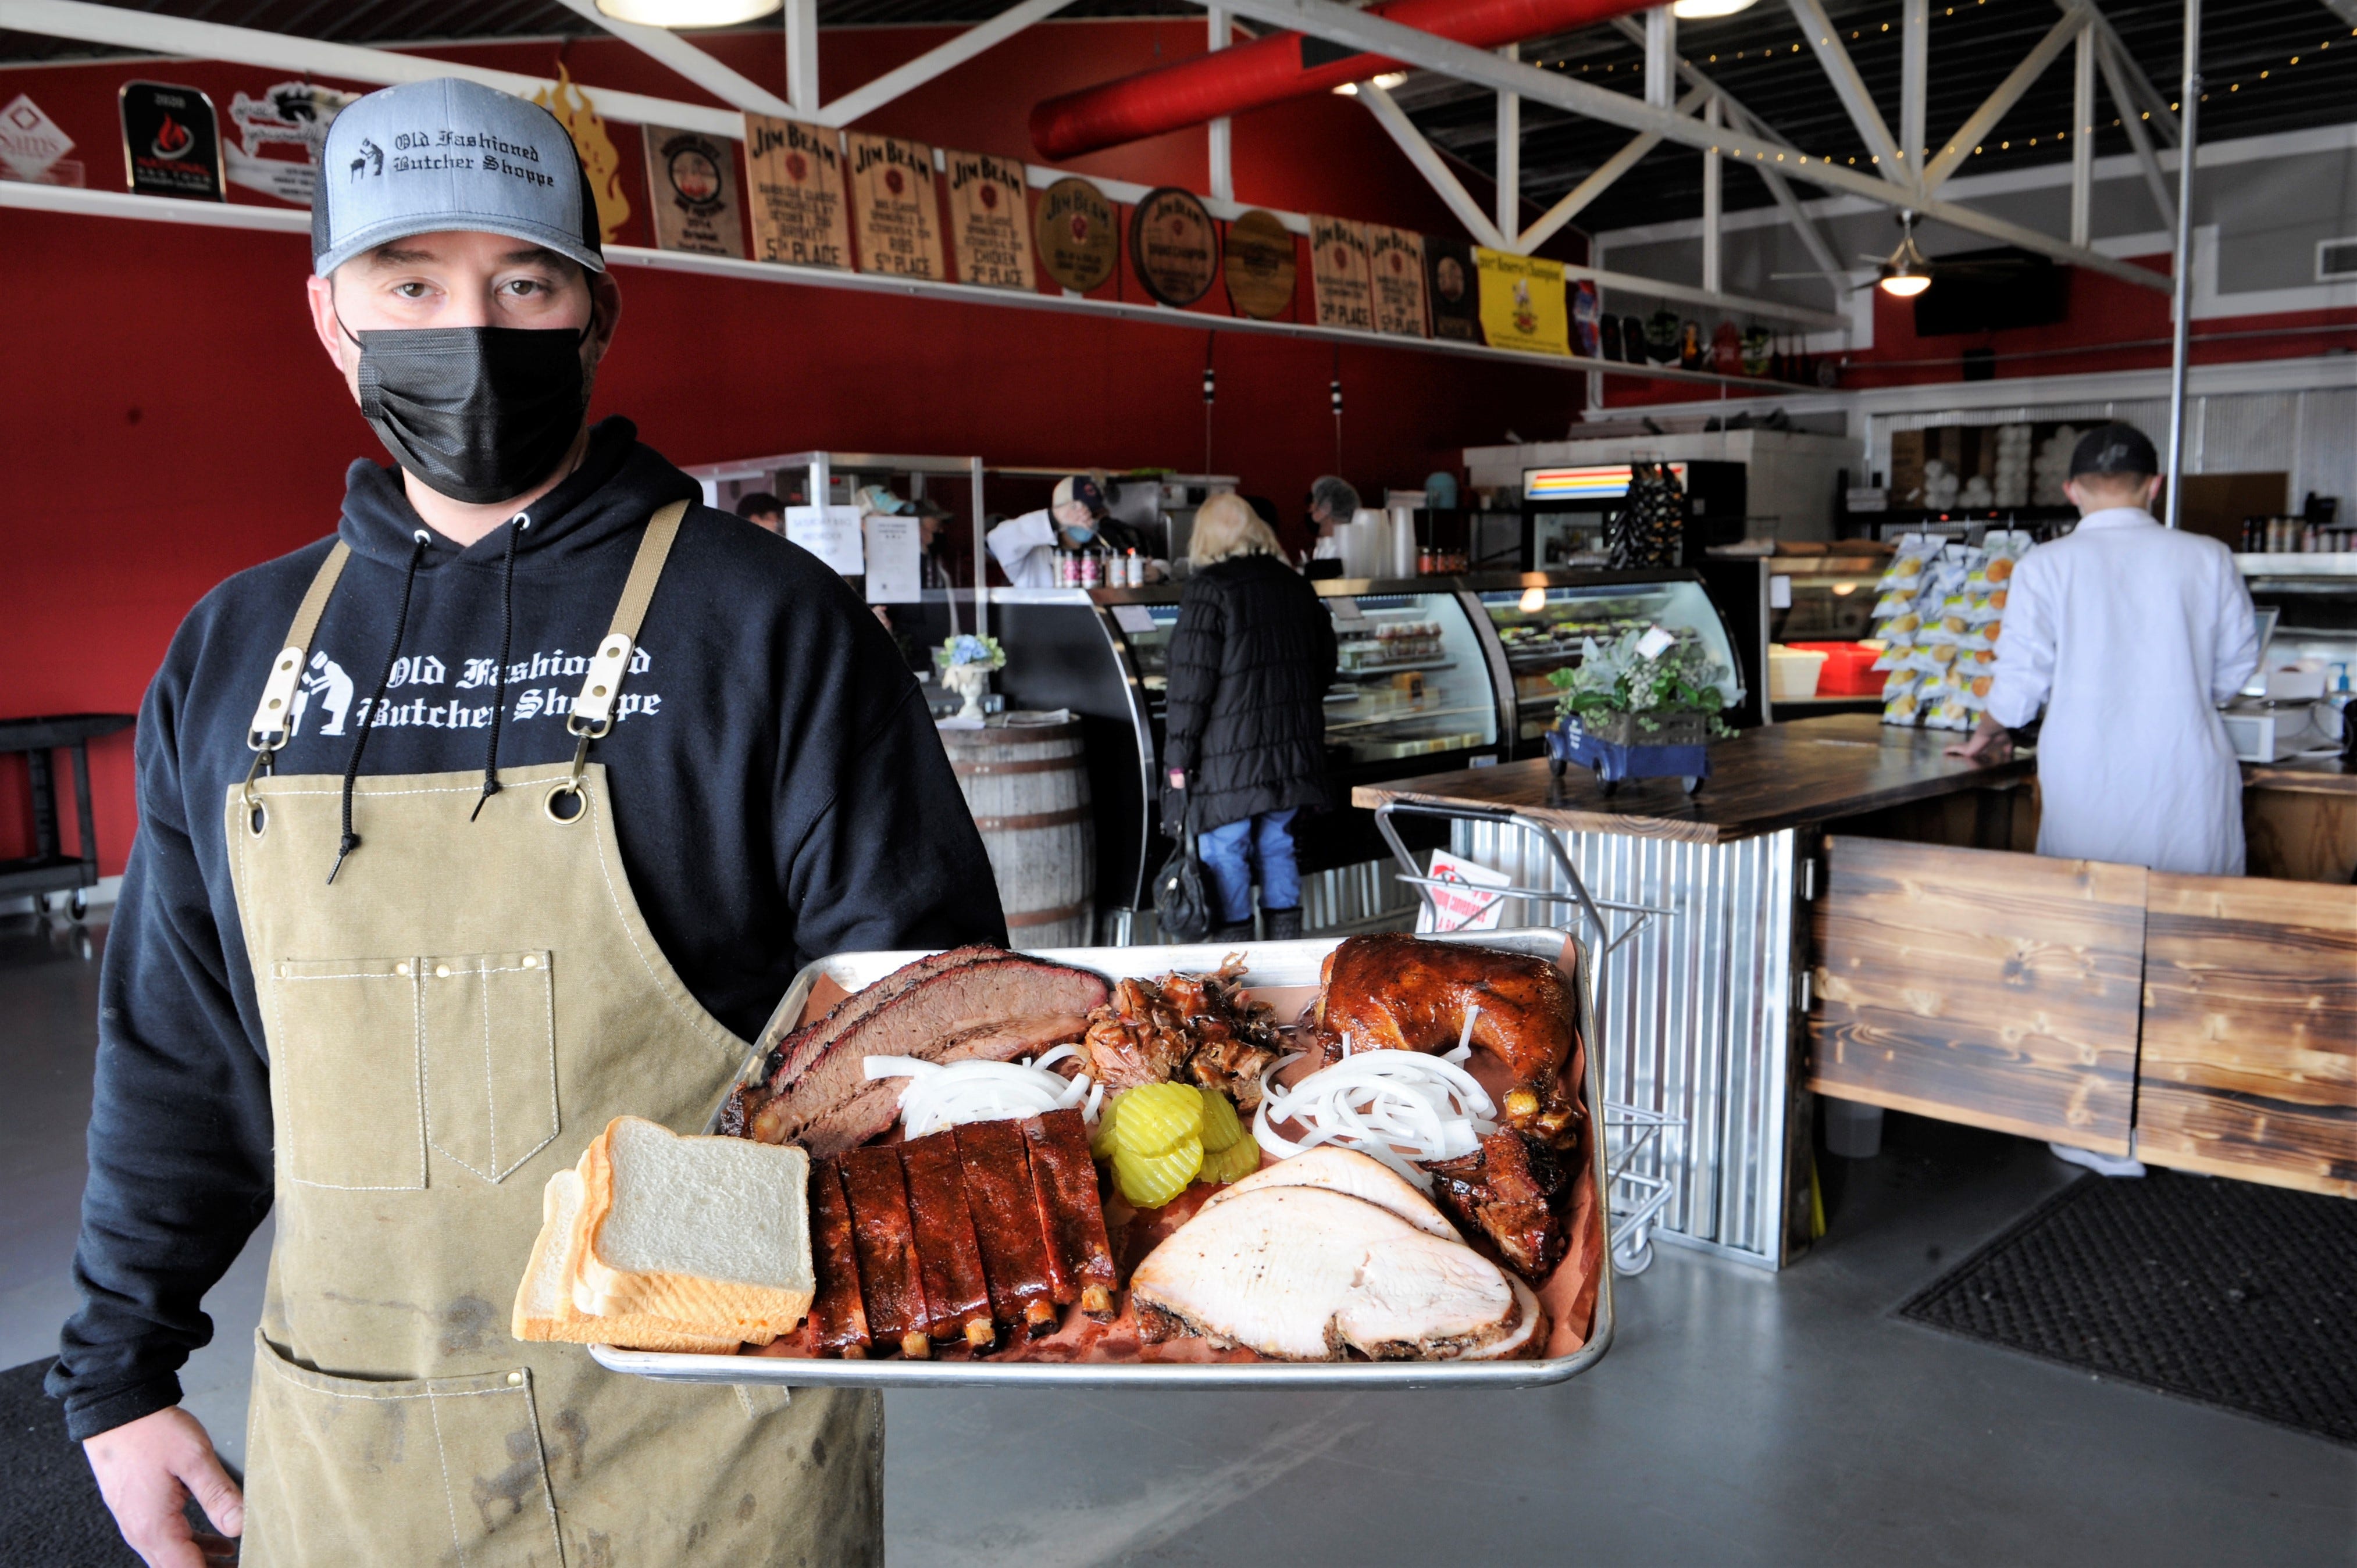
(778, 794)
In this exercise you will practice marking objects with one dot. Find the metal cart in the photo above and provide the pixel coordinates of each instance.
(1634, 1197)
(49, 869)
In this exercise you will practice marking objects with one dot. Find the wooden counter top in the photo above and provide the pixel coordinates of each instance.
(2313, 776)
(1763, 781)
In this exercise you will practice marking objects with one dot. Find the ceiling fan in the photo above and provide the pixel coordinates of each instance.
(1907, 272)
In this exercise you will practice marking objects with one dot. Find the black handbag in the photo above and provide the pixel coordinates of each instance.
(1180, 904)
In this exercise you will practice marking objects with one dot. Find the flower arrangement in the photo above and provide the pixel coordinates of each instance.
(1668, 686)
(966, 649)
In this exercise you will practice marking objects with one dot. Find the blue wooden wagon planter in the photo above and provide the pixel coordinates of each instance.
(1620, 745)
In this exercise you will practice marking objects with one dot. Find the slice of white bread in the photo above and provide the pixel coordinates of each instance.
(543, 1303)
(708, 1233)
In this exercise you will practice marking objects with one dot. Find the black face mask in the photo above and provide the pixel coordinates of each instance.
(479, 413)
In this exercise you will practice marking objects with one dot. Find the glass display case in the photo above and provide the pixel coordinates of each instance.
(1413, 680)
(1540, 621)
(1808, 599)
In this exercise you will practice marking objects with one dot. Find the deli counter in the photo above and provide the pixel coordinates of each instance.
(1435, 674)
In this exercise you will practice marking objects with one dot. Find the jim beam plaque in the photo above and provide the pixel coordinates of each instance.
(1338, 273)
(1173, 246)
(990, 223)
(797, 186)
(171, 143)
(1257, 257)
(1074, 229)
(1453, 289)
(693, 179)
(892, 205)
(1395, 273)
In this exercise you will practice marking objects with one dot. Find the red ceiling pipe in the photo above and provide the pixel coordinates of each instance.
(1284, 65)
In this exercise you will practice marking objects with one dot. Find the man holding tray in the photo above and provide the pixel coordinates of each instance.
(512, 809)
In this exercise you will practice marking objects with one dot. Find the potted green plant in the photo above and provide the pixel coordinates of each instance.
(1644, 707)
(965, 663)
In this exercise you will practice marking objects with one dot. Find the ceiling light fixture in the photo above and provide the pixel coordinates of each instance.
(1704, 10)
(1906, 273)
(687, 13)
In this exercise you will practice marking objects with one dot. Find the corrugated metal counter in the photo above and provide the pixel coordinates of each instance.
(1700, 1011)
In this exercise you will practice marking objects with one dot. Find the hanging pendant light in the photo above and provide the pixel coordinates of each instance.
(1908, 273)
(687, 13)
(1704, 10)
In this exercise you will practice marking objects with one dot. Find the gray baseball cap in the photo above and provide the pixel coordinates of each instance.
(429, 156)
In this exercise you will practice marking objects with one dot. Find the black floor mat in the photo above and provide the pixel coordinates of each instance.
(2225, 1292)
(50, 1511)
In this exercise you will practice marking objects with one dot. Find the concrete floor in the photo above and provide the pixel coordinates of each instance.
(1741, 1417)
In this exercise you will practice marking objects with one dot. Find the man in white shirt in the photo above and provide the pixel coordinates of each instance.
(2129, 635)
(1025, 547)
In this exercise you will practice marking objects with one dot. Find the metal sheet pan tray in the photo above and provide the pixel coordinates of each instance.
(1271, 966)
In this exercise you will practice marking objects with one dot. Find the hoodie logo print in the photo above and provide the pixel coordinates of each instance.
(529, 699)
(327, 679)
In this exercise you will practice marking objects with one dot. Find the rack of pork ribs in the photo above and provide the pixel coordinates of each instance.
(962, 1235)
(958, 1237)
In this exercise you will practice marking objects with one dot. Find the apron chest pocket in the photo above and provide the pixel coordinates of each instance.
(377, 1059)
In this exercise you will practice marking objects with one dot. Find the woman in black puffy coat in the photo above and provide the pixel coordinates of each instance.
(1250, 659)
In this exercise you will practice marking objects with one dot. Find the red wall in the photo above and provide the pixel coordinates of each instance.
(169, 418)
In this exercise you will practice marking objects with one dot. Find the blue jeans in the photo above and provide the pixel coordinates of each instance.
(1269, 837)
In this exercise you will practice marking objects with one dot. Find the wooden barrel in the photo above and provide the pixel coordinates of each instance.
(1027, 786)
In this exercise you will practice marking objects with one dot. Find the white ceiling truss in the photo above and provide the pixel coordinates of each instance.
(1742, 137)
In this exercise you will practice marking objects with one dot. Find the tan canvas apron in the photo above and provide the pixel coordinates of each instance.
(449, 1022)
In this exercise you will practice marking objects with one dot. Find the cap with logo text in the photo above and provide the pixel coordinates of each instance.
(427, 158)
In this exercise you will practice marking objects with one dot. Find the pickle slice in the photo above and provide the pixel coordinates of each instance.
(1221, 1127)
(1158, 1117)
(1149, 1181)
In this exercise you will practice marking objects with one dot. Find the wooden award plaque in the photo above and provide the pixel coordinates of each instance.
(797, 193)
(1338, 273)
(693, 181)
(1259, 263)
(990, 223)
(892, 205)
(1395, 269)
(1173, 246)
(1454, 290)
(1074, 229)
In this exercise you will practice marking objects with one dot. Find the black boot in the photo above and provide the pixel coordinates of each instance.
(1233, 931)
(1284, 925)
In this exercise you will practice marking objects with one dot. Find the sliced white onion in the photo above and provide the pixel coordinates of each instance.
(941, 1096)
(1396, 1106)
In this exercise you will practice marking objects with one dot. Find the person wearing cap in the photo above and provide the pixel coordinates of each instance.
(510, 809)
(2128, 635)
(1075, 518)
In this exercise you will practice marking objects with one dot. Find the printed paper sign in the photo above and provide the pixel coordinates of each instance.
(894, 565)
(1462, 907)
(832, 534)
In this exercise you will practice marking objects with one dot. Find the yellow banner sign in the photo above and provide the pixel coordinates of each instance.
(1522, 304)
